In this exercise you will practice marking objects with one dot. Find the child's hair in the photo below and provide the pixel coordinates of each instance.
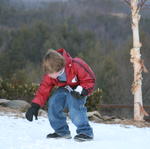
(53, 62)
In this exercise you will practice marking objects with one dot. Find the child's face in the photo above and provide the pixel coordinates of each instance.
(56, 74)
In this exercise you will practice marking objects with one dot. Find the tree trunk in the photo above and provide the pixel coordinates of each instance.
(137, 63)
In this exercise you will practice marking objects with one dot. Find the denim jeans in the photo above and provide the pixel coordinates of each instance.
(78, 113)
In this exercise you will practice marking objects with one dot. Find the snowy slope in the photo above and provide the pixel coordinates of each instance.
(18, 133)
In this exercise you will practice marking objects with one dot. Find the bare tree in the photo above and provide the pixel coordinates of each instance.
(138, 63)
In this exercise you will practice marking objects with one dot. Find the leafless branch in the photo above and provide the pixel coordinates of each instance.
(141, 4)
(147, 5)
(128, 2)
(144, 5)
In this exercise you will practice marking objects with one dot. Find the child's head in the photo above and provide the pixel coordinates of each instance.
(53, 62)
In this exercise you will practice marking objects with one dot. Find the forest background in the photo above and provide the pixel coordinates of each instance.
(98, 31)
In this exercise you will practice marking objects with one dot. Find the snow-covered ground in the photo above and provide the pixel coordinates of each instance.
(18, 133)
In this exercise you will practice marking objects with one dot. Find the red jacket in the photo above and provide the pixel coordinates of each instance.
(76, 69)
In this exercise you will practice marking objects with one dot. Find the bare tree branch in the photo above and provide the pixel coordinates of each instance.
(127, 2)
(141, 3)
(144, 5)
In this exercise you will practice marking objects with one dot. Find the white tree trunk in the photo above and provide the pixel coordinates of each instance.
(137, 63)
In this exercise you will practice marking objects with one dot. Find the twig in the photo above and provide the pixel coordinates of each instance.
(141, 4)
(128, 2)
(146, 6)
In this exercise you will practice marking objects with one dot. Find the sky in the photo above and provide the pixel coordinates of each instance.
(18, 133)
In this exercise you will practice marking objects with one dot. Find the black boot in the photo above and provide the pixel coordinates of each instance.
(82, 137)
(57, 136)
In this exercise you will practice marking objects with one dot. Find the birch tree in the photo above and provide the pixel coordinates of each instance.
(138, 63)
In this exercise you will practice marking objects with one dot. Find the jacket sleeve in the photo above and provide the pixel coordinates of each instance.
(43, 92)
(85, 75)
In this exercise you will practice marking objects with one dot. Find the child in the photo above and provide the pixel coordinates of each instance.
(75, 80)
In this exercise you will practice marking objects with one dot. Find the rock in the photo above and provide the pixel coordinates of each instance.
(42, 113)
(108, 118)
(20, 105)
(94, 116)
(96, 113)
(10, 112)
(3, 102)
(117, 120)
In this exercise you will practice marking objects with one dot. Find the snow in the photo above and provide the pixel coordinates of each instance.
(18, 133)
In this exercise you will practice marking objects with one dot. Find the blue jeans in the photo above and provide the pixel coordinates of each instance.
(62, 99)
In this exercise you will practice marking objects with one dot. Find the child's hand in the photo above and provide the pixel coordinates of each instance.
(79, 92)
(33, 110)
(76, 94)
